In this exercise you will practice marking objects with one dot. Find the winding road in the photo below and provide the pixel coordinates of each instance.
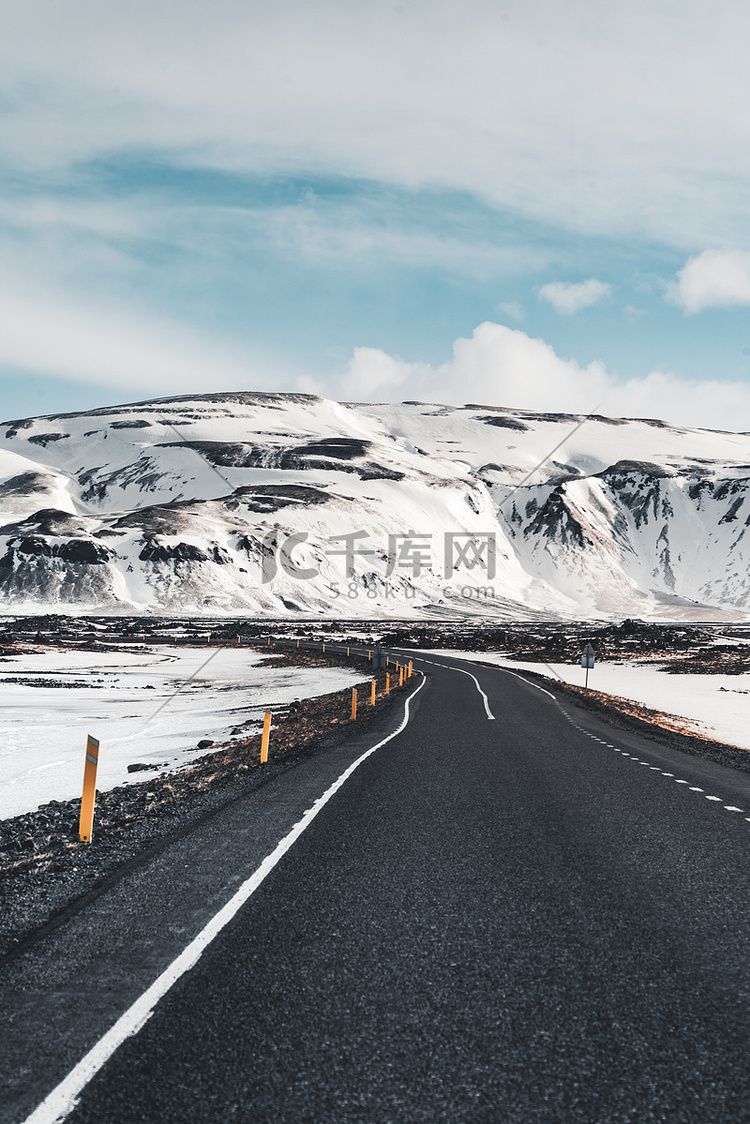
(508, 912)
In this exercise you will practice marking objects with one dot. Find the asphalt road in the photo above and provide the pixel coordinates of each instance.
(511, 919)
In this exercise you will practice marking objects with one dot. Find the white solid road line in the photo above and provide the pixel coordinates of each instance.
(63, 1099)
(450, 667)
(485, 700)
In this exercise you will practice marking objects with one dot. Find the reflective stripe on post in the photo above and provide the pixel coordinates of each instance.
(264, 739)
(86, 822)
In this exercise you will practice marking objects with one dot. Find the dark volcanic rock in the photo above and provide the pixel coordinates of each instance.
(183, 552)
(44, 439)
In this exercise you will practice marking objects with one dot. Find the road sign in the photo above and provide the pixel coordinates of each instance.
(588, 656)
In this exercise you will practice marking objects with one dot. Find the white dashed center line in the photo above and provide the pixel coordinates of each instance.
(608, 745)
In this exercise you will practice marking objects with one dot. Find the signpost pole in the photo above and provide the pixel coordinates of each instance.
(588, 657)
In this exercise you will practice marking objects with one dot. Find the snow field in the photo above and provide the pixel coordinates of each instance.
(130, 704)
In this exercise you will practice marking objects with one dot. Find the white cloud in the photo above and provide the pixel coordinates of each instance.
(372, 371)
(503, 366)
(713, 279)
(568, 298)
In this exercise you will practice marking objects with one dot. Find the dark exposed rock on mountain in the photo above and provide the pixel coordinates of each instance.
(276, 504)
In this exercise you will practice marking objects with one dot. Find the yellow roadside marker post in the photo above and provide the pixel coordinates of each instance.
(86, 822)
(387, 683)
(264, 739)
(411, 668)
(239, 640)
(298, 643)
(347, 651)
(324, 645)
(372, 694)
(354, 703)
(369, 656)
(401, 677)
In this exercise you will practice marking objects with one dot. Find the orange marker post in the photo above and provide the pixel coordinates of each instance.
(298, 643)
(347, 651)
(324, 645)
(372, 693)
(369, 656)
(401, 677)
(86, 823)
(387, 684)
(411, 668)
(354, 703)
(266, 736)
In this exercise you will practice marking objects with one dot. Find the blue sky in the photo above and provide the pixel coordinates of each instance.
(333, 197)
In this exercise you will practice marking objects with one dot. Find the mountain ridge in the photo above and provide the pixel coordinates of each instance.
(264, 503)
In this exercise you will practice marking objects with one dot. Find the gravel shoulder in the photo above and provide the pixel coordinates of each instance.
(46, 873)
(626, 714)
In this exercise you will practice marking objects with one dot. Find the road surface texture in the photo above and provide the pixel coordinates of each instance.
(529, 917)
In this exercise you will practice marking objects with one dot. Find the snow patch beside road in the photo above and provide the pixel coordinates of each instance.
(43, 729)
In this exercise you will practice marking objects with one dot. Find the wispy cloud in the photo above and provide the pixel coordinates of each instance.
(514, 309)
(407, 95)
(570, 297)
(42, 331)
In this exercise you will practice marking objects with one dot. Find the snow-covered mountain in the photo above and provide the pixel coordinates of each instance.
(277, 504)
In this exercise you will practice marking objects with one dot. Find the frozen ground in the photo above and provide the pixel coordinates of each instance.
(715, 706)
(43, 728)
